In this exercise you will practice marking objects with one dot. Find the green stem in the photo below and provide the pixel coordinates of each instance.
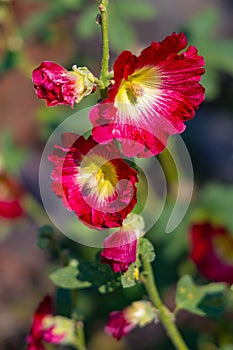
(79, 329)
(166, 317)
(105, 49)
(81, 336)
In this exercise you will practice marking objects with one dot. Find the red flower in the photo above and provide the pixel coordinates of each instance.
(212, 252)
(139, 313)
(153, 95)
(10, 195)
(93, 181)
(38, 332)
(120, 249)
(58, 86)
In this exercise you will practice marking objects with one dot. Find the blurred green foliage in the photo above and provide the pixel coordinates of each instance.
(217, 52)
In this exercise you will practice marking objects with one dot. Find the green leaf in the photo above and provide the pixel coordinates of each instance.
(121, 34)
(200, 300)
(134, 9)
(66, 277)
(204, 23)
(226, 347)
(86, 26)
(146, 249)
(13, 156)
(217, 52)
(70, 4)
(99, 275)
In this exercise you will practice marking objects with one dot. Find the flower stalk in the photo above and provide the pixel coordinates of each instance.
(105, 49)
(79, 326)
(166, 317)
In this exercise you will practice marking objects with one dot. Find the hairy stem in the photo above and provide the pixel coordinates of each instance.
(79, 329)
(166, 317)
(105, 49)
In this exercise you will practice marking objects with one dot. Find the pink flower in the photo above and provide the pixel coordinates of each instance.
(212, 251)
(56, 85)
(139, 313)
(120, 249)
(38, 332)
(93, 181)
(151, 98)
(10, 198)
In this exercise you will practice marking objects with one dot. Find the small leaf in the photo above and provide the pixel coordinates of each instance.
(200, 300)
(146, 249)
(129, 278)
(66, 277)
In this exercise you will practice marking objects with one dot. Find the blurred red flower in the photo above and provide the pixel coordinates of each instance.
(39, 332)
(151, 98)
(212, 251)
(10, 196)
(139, 313)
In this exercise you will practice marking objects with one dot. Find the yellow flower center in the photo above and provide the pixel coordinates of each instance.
(97, 177)
(138, 94)
(223, 246)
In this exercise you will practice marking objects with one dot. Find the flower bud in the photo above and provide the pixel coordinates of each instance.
(56, 85)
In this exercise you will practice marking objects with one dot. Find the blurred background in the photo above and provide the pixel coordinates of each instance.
(65, 31)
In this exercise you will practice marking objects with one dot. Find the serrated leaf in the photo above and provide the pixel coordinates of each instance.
(200, 300)
(66, 277)
(146, 249)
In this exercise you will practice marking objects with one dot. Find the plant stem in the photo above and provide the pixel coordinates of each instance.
(166, 317)
(105, 49)
(79, 329)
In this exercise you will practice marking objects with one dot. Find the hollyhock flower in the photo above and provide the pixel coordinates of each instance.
(56, 85)
(151, 98)
(10, 196)
(139, 313)
(212, 251)
(120, 249)
(93, 181)
(39, 332)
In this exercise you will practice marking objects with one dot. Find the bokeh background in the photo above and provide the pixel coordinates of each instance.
(65, 31)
